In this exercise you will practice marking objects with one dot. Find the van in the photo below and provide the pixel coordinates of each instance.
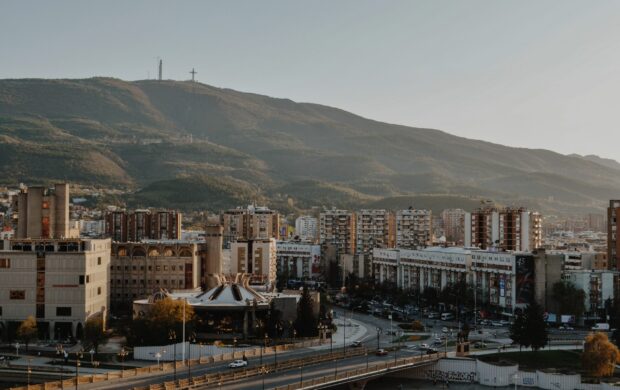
(447, 316)
(601, 326)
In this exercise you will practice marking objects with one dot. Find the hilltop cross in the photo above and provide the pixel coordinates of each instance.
(193, 73)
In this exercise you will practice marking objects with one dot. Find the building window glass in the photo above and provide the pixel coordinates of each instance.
(5, 263)
(63, 312)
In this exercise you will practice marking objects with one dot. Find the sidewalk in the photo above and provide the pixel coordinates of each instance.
(353, 330)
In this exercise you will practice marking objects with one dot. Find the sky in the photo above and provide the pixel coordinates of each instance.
(526, 73)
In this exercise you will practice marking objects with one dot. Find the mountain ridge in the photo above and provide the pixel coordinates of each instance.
(133, 134)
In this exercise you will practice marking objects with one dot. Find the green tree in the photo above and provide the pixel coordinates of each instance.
(599, 356)
(27, 331)
(569, 299)
(94, 333)
(306, 322)
(536, 335)
(517, 330)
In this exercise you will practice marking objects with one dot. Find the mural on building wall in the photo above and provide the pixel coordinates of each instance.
(451, 376)
(525, 279)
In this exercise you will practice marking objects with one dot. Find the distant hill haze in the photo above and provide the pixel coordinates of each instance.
(166, 139)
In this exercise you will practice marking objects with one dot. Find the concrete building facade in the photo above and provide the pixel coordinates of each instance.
(143, 224)
(414, 228)
(251, 223)
(613, 234)
(43, 212)
(257, 258)
(337, 229)
(505, 229)
(62, 283)
(299, 260)
(307, 228)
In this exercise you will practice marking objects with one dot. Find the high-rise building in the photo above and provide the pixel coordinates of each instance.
(613, 234)
(307, 228)
(143, 224)
(454, 225)
(257, 258)
(414, 228)
(374, 229)
(250, 223)
(507, 229)
(337, 230)
(61, 282)
(43, 212)
(596, 222)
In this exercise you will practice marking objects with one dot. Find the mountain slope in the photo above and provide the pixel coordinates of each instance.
(134, 134)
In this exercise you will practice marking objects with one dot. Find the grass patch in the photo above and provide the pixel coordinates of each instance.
(566, 360)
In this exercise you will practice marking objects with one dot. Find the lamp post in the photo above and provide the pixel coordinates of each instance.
(192, 339)
(60, 353)
(78, 356)
(379, 331)
(172, 336)
(92, 355)
(17, 348)
(122, 355)
(263, 372)
(29, 371)
(234, 346)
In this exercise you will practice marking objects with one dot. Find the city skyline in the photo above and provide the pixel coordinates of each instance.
(523, 74)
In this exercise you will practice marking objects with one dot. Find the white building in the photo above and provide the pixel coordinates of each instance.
(301, 260)
(494, 274)
(307, 228)
(507, 229)
(62, 283)
(413, 228)
(598, 286)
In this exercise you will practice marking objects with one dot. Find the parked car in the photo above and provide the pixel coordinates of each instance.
(433, 315)
(566, 327)
(356, 344)
(445, 330)
(431, 351)
(423, 345)
(381, 352)
(238, 364)
(496, 323)
(504, 322)
(480, 344)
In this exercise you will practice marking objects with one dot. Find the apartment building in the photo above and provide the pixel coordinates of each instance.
(139, 269)
(374, 229)
(298, 260)
(337, 230)
(307, 228)
(454, 225)
(43, 212)
(143, 224)
(251, 223)
(258, 258)
(598, 285)
(506, 229)
(413, 228)
(61, 282)
(613, 234)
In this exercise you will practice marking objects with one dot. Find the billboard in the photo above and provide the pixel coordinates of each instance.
(525, 279)
(502, 286)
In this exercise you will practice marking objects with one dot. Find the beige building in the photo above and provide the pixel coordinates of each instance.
(337, 229)
(43, 212)
(257, 258)
(251, 223)
(454, 225)
(374, 229)
(414, 228)
(61, 283)
(139, 269)
(508, 229)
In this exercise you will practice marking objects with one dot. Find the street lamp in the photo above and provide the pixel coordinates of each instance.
(122, 355)
(29, 371)
(234, 346)
(379, 331)
(172, 336)
(92, 354)
(78, 356)
(192, 339)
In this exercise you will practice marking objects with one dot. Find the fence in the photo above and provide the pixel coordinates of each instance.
(230, 376)
(167, 366)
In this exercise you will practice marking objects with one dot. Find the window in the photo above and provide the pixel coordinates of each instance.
(157, 268)
(0, 310)
(174, 267)
(87, 278)
(98, 290)
(141, 268)
(98, 260)
(81, 279)
(133, 268)
(150, 268)
(63, 311)
(5, 263)
(165, 268)
(180, 268)
(156, 281)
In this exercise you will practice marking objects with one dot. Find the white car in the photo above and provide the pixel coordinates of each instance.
(423, 345)
(445, 330)
(237, 364)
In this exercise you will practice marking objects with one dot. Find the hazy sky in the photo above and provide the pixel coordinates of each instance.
(542, 74)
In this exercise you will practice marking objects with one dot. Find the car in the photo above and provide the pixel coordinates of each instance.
(431, 351)
(480, 344)
(504, 322)
(433, 315)
(566, 327)
(445, 330)
(423, 345)
(356, 344)
(381, 352)
(238, 364)
(496, 323)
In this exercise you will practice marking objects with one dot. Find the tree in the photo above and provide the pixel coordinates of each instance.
(94, 333)
(306, 322)
(162, 317)
(570, 299)
(536, 335)
(27, 331)
(599, 356)
(417, 326)
(517, 330)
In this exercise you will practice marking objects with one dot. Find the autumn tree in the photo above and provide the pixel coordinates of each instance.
(417, 326)
(27, 331)
(162, 317)
(600, 356)
(94, 333)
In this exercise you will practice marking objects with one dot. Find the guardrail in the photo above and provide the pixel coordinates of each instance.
(231, 376)
(361, 373)
(165, 367)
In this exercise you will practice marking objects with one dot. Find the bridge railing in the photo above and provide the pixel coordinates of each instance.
(165, 367)
(216, 379)
(360, 372)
